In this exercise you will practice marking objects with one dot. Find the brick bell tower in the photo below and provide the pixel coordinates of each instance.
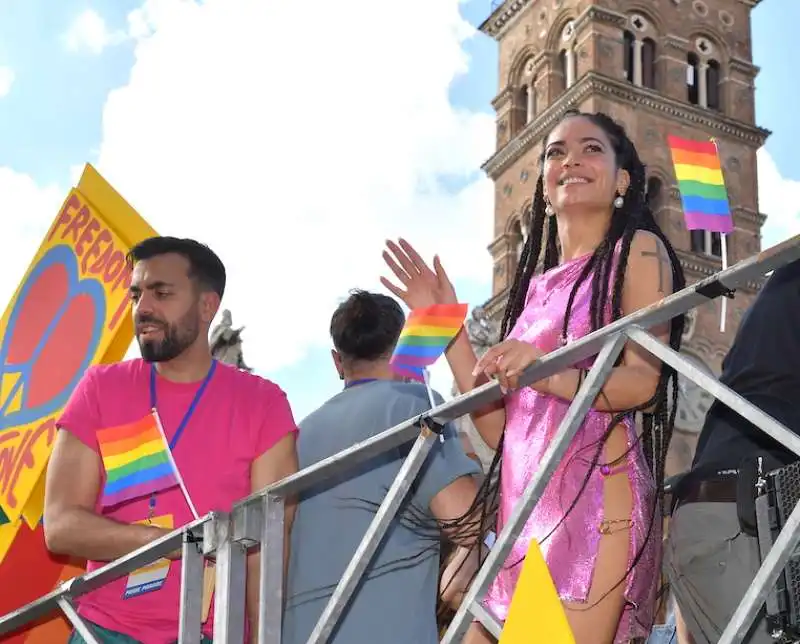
(659, 67)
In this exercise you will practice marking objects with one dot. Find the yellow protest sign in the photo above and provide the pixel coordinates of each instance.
(536, 614)
(71, 310)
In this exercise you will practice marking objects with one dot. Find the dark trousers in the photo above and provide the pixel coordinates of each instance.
(711, 563)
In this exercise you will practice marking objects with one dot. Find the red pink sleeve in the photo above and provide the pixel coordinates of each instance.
(277, 419)
(81, 415)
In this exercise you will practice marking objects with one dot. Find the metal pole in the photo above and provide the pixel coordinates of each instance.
(724, 394)
(271, 581)
(79, 586)
(84, 630)
(374, 535)
(488, 621)
(191, 606)
(765, 579)
(230, 590)
(502, 547)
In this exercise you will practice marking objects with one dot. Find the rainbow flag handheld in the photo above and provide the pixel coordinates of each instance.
(701, 184)
(425, 337)
(136, 461)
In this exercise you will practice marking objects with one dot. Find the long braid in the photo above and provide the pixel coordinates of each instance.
(528, 261)
(551, 248)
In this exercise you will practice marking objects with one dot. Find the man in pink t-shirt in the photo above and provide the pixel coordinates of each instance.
(230, 433)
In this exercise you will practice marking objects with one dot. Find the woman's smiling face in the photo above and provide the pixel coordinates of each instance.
(580, 167)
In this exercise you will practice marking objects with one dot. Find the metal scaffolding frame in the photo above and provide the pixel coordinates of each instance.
(259, 518)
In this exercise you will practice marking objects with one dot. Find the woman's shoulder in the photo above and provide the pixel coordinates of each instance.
(649, 270)
(643, 241)
(646, 240)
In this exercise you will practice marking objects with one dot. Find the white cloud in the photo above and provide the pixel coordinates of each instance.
(7, 78)
(295, 160)
(75, 172)
(27, 211)
(779, 199)
(89, 33)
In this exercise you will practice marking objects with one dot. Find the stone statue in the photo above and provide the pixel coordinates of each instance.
(483, 332)
(226, 342)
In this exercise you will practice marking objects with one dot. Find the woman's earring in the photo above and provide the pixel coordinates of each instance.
(619, 201)
(548, 210)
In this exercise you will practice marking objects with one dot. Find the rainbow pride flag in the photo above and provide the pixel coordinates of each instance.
(701, 184)
(425, 337)
(136, 461)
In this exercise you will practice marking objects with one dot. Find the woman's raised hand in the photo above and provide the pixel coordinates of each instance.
(421, 286)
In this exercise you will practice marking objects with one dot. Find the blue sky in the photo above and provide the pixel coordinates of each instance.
(175, 100)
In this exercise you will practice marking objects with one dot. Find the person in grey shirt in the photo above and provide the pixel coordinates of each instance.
(395, 602)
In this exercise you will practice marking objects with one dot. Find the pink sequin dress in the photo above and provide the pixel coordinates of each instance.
(532, 420)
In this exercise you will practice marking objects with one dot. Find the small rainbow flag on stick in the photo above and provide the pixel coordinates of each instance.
(425, 337)
(701, 184)
(136, 460)
(703, 194)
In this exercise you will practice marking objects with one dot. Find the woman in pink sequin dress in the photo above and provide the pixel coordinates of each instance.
(603, 257)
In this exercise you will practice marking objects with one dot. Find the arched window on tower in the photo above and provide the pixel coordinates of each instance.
(522, 107)
(692, 78)
(531, 106)
(628, 39)
(654, 194)
(563, 68)
(706, 242)
(649, 63)
(639, 52)
(713, 79)
(566, 56)
(517, 240)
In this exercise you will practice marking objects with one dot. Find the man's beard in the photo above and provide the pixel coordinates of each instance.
(177, 338)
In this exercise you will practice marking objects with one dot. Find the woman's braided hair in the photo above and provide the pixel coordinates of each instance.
(634, 215)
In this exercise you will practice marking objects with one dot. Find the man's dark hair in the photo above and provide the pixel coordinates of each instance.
(205, 267)
(366, 326)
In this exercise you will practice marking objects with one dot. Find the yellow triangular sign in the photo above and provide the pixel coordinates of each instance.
(8, 387)
(536, 614)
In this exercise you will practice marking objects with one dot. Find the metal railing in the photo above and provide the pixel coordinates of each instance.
(259, 518)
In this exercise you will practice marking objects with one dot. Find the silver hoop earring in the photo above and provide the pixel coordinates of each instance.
(619, 202)
(548, 210)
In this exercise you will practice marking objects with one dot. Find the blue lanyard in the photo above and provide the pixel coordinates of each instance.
(188, 415)
(353, 383)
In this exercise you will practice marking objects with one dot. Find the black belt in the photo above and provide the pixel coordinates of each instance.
(719, 491)
(717, 488)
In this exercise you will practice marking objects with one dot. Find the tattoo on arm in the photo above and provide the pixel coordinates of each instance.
(663, 261)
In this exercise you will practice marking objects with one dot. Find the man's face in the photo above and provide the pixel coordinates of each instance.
(167, 311)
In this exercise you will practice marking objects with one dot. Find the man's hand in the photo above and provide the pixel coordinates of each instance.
(71, 525)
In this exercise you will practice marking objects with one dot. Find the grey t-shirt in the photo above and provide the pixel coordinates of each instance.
(395, 601)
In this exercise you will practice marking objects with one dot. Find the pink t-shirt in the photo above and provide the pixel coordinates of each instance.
(239, 417)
